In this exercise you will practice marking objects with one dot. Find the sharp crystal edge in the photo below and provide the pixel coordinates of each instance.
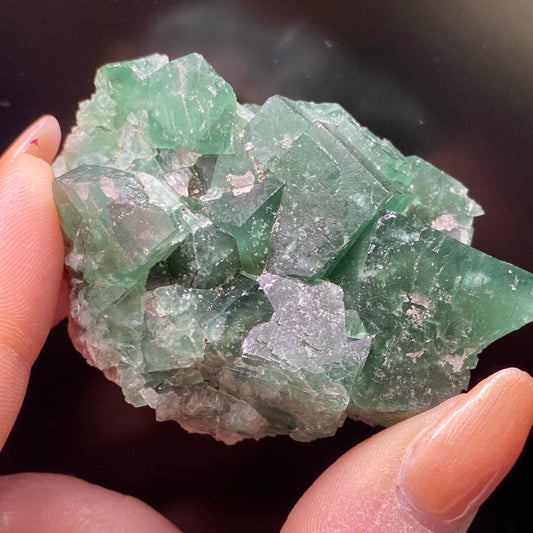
(261, 270)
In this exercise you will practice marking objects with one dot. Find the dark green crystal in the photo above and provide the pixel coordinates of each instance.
(260, 270)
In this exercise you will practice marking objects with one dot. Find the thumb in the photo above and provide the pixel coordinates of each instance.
(31, 253)
(428, 473)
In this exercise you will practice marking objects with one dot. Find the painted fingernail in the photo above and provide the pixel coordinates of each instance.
(40, 139)
(452, 466)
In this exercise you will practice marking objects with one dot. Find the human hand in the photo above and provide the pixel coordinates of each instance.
(453, 454)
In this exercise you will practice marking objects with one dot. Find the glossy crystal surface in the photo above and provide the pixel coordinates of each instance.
(260, 270)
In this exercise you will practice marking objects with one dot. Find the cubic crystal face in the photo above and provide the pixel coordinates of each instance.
(251, 271)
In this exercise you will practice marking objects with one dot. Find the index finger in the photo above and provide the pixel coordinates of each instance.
(31, 260)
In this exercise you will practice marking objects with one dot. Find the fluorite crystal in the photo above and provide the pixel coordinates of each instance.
(252, 271)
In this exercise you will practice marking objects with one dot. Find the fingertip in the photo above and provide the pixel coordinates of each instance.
(41, 139)
(452, 466)
(428, 473)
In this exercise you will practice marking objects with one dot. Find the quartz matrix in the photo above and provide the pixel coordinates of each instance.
(260, 270)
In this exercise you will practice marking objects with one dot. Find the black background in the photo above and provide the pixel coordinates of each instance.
(448, 80)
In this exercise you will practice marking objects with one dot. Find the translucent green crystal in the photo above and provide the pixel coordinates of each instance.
(427, 299)
(261, 270)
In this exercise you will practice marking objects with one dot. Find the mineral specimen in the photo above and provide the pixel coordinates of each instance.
(252, 271)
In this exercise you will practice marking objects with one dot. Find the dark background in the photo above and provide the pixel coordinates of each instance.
(448, 80)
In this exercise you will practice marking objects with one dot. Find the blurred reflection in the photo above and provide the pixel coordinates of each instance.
(261, 57)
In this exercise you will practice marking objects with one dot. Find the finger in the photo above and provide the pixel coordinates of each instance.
(41, 140)
(429, 473)
(50, 503)
(31, 262)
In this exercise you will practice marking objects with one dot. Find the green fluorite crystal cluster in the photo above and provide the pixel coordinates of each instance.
(259, 270)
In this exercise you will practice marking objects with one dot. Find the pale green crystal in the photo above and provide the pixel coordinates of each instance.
(260, 270)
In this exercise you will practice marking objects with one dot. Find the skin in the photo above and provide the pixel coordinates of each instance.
(429, 473)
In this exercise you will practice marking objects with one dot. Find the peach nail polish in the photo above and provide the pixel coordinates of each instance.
(452, 466)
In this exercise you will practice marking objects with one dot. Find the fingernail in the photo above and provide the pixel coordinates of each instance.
(40, 139)
(452, 466)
